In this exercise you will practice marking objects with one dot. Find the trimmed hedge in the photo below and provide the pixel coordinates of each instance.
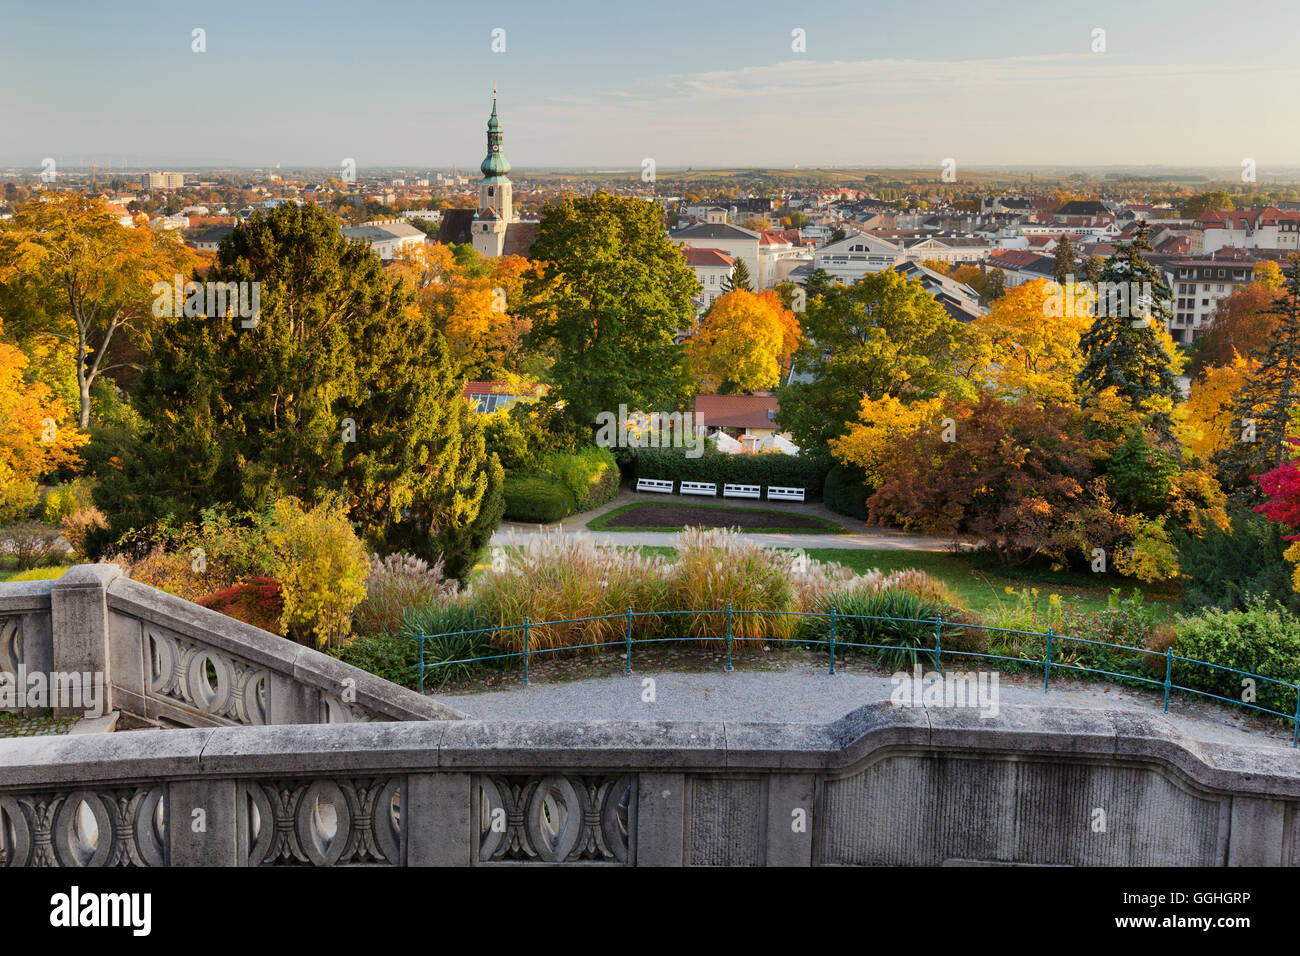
(537, 498)
(845, 492)
(591, 475)
(761, 468)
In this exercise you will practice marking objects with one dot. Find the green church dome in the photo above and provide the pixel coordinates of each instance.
(495, 165)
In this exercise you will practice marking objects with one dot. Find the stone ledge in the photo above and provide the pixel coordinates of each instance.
(637, 746)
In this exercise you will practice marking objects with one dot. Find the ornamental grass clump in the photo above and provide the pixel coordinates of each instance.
(396, 584)
(717, 567)
(555, 577)
(899, 611)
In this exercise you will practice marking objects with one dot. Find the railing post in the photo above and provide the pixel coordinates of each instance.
(527, 642)
(1047, 660)
(938, 650)
(832, 638)
(421, 663)
(728, 635)
(1169, 673)
(1295, 723)
(627, 668)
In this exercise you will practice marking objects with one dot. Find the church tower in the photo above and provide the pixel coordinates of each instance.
(495, 207)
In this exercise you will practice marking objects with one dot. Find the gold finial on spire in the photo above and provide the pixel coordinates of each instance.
(494, 91)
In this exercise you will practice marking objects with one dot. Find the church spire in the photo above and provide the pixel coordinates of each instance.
(494, 165)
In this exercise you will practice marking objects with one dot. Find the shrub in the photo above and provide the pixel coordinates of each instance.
(1260, 640)
(395, 585)
(439, 624)
(32, 544)
(1227, 569)
(1127, 621)
(591, 475)
(168, 571)
(321, 566)
(845, 492)
(762, 468)
(77, 526)
(395, 656)
(60, 501)
(537, 498)
(257, 601)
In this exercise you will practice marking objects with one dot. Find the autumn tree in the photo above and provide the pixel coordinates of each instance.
(607, 304)
(37, 435)
(743, 343)
(475, 302)
(885, 335)
(1030, 349)
(1263, 408)
(1241, 324)
(1195, 206)
(1018, 477)
(1210, 426)
(72, 273)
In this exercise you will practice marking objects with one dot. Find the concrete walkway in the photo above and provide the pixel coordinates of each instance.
(859, 537)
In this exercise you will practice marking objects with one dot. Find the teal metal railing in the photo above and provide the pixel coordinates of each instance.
(1052, 645)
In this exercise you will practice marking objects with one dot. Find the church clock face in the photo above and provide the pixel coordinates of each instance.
(496, 148)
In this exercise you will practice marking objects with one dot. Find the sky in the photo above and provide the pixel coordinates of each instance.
(610, 84)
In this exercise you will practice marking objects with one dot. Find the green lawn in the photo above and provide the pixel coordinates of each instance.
(981, 584)
(610, 520)
(35, 574)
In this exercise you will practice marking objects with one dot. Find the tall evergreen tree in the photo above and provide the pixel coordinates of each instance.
(339, 385)
(739, 278)
(1093, 267)
(1124, 348)
(1261, 412)
(1066, 260)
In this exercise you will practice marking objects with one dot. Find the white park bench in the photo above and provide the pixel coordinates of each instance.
(663, 486)
(700, 488)
(742, 491)
(776, 493)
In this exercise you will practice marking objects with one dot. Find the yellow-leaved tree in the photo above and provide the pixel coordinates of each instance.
(1028, 343)
(1210, 426)
(37, 434)
(743, 343)
(873, 439)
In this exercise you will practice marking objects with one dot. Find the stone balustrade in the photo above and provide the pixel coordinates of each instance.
(167, 662)
(882, 786)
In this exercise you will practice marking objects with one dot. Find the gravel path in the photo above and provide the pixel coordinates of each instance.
(807, 695)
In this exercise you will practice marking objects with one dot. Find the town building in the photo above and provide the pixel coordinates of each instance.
(387, 237)
(162, 180)
(493, 228)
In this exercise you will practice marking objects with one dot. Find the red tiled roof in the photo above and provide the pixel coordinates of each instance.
(735, 411)
(706, 257)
